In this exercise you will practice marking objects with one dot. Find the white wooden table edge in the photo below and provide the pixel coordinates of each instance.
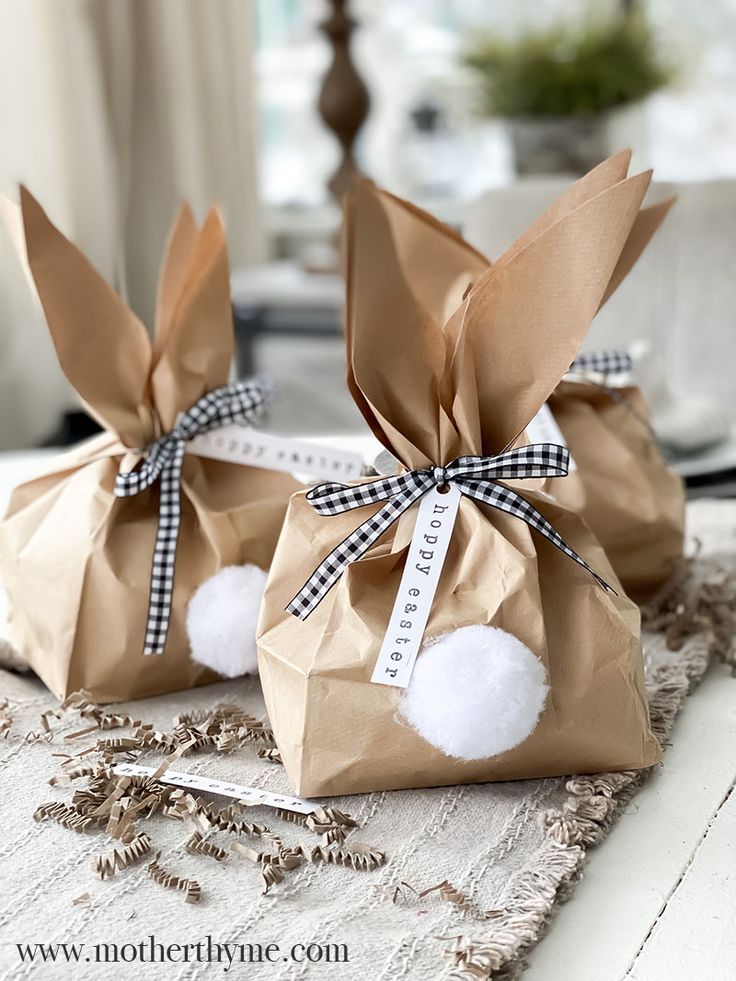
(624, 917)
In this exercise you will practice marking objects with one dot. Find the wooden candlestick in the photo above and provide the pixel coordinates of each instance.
(344, 101)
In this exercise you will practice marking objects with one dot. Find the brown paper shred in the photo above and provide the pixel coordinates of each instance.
(190, 887)
(168, 760)
(228, 819)
(292, 817)
(153, 739)
(46, 735)
(164, 765)
(272, 871)
(183, 806)
(120, 744)
(399, 892)
(250, 727)
(361, 858)
(84, 900)
(193, 718)
(119, 800)
(330, 823)
(687, 607)
(70, 758)
(111, 721)
(82, 732)
(226, 727)
(123, 813)
(67, 817)
(252, 854)
(86, 801)
(450, 894)
(81, 701)
(197, 845)
(107, 865)
(143, 785)
(6, 718)
(45, 716)
(116, 804)
(65, 778)
(120, 823)
(274, 865)
(38, 737)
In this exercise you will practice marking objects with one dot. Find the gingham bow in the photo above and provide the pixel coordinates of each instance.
(241, 401)
(603, 363)
(474, 476)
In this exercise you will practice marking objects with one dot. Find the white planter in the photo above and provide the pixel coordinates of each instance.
(574, 144)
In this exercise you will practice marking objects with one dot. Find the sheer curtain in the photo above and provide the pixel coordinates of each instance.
(111, 111)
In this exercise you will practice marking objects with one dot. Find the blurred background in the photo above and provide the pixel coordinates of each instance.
(480, 111)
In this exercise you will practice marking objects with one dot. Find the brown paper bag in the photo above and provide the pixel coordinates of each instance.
(622, 485)
(76, 560)
(440, 372)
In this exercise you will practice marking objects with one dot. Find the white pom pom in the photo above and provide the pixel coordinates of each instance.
(475, 692)
(222, 618)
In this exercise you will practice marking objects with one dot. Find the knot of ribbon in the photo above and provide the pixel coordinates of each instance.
(240, 401)
(474, 476)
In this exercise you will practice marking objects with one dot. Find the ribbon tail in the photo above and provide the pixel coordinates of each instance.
(504, 499)
(164, 556)
(350, 550)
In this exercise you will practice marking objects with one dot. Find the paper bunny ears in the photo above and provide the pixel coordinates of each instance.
(468, 351)
(130, 385)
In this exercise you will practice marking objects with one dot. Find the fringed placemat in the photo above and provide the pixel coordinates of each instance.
(448, 882)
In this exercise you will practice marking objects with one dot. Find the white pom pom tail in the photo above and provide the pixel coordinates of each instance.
(222, 618)
(475, 692)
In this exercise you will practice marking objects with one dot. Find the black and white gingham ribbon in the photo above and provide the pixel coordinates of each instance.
(474, 476)
(607, 364)
(241, 401)
(603, 363)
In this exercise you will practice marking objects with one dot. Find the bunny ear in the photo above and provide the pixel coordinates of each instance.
(527, 317)
(605, 175)
(103, 348)
(405, 274)
(179, 248)
(197, 346)
(646, 224)
(11, 217)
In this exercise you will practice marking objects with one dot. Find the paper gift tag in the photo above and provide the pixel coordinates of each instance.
(253, 448)
(427, 551)
(195, 781)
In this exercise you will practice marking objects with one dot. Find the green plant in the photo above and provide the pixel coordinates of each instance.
(567, 72)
